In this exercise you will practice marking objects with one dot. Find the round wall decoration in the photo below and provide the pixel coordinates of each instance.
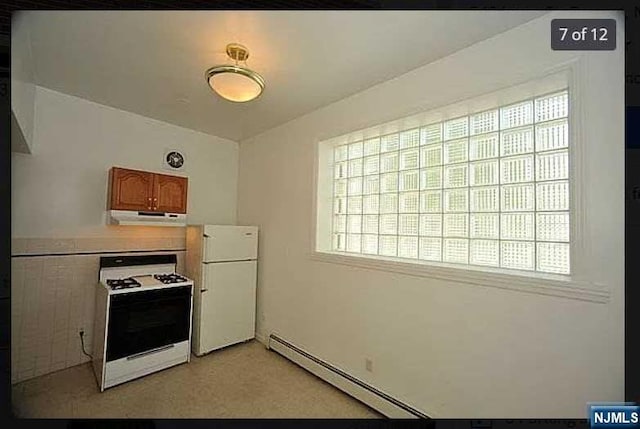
(174, 159)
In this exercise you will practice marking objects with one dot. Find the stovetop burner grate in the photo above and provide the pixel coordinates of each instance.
(123, 283)
(169, 278)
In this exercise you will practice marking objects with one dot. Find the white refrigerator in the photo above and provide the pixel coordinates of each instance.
(222, 261)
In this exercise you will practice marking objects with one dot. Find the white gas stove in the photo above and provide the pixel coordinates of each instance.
(143, 317)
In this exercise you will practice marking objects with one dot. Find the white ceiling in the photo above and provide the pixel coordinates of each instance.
(153, 62)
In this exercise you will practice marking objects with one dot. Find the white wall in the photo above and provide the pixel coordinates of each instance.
(22, 85)
(61, 190)
(450, 349)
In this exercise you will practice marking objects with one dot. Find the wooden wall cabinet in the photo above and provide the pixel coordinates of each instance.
(145, 191)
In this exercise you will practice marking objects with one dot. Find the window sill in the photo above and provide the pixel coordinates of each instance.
(540, 284)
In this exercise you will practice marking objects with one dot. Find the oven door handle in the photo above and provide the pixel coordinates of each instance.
(148, 352)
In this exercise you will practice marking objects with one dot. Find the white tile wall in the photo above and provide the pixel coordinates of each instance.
(52, 297)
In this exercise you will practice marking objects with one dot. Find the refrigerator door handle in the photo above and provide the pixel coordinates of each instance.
(205, 245)
(204, 279)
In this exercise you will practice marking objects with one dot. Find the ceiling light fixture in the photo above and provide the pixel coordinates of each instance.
(233, 82)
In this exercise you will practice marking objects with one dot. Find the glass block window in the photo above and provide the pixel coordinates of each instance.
(488, 189)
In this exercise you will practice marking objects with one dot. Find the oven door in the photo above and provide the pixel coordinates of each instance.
(144, 321)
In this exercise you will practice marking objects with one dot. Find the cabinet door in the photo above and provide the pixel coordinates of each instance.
(170, 194)
(131, 190)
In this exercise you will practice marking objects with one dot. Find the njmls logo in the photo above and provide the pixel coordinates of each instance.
(619, 415)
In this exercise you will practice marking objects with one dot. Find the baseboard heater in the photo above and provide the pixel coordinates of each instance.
(358, 389)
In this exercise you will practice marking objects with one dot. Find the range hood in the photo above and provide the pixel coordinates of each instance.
(128, 217)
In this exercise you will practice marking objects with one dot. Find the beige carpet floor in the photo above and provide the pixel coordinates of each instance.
(243, 381)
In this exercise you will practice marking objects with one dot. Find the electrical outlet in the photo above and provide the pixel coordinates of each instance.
(368, 364)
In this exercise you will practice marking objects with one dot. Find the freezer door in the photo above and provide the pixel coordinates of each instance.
(228, 304)
(230, 243)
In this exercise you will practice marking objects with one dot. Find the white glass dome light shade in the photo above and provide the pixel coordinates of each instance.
(233, 83)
